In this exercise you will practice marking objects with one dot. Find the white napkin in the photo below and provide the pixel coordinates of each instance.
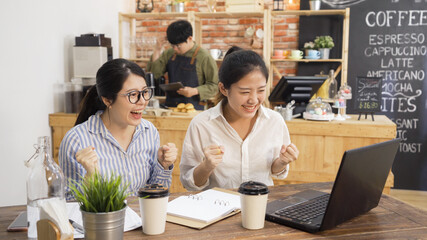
(55, 210)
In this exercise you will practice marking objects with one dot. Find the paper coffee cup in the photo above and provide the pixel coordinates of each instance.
(253, 200)
(153, 203)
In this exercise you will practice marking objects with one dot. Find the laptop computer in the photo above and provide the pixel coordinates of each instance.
(357, 189)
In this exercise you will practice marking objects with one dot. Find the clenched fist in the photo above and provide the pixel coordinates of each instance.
(213, 156)
(88, 159)
(167, 155)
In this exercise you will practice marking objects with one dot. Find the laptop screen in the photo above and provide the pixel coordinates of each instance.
(359, 182)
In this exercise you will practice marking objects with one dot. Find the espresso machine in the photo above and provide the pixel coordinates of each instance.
(90, 52)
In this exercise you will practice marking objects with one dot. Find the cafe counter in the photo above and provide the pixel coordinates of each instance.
(321, 144)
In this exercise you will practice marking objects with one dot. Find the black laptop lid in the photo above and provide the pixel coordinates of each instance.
(360, 181)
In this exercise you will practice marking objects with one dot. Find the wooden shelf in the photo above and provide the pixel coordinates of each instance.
(268, 16)
(309, 12)
(306, 60)
(229, 14)
(141, 16)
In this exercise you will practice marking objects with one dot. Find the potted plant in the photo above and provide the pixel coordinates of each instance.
(324, 44)
(315, 5)
(103, 207)
(309, 46)
(179, 5)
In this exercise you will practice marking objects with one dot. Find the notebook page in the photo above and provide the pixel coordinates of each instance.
(206, 206)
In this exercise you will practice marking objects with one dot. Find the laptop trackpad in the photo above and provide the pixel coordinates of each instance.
(292, 200)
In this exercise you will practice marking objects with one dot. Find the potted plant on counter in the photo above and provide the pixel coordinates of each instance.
(103, 207)
(324, 45)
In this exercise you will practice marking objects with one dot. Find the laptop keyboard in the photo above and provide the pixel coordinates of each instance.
(306, 211)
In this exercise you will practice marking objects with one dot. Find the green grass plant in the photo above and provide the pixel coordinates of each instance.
(100, 194)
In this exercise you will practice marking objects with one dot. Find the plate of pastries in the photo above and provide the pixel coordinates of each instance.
(184, 109)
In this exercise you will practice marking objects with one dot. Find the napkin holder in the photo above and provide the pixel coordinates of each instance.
(47, 230)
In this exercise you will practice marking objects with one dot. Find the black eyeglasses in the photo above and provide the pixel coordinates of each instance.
(134, 96)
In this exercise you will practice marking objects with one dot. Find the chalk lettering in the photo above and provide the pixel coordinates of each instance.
(397, 62)
(396, 51)
(410, 147)
(411, 18)
(395, 75)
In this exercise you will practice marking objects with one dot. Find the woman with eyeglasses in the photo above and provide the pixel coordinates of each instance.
(110, 134)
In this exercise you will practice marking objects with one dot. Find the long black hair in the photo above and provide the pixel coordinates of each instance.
(109, 81)
(237, 65)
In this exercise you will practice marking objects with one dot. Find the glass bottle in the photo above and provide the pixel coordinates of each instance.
(45, 181)
(333, 85)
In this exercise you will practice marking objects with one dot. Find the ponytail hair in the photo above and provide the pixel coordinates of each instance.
(109, 81)
(90, 104)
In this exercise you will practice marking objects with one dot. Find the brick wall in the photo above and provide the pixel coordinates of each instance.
(226, 32)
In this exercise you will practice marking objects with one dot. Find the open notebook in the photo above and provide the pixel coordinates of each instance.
(204, 208)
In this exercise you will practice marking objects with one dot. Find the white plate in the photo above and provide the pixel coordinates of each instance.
(316, 117)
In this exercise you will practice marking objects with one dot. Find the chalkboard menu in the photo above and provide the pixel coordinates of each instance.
(388, 39)
(368, 94)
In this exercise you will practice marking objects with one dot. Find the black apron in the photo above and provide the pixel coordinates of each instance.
(183, 69)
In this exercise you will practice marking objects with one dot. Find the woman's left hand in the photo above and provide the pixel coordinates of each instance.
(167, 155)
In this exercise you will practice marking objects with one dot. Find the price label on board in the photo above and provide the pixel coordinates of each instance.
(368, 94)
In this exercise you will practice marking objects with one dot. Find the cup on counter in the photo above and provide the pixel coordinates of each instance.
(253, 200)
(313, 53)
(153, 203)
(215, 53)
(296, 54)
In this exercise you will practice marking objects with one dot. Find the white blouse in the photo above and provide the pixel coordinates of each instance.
(243, 160)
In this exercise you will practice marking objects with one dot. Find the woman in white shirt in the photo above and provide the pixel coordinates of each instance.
(111, 136)
(237, 140)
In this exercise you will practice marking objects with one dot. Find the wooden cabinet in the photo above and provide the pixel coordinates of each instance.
(321, 144)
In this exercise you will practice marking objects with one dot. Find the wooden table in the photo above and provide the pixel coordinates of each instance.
(321, 144)
(392, 219)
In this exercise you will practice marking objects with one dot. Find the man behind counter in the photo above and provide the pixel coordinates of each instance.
(185, 62)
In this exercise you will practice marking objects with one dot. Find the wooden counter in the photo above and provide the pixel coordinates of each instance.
(321, 144)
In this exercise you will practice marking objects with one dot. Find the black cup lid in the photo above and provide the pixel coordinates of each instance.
(153, 191)
(253, 188)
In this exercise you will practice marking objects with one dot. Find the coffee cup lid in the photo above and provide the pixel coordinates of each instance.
(153, 191)
(253, 188)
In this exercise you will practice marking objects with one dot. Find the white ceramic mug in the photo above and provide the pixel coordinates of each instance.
(253, 200)
(153, 204)
(296, 54)
(215, 53)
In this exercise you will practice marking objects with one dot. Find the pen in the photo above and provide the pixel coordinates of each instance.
(77, 226)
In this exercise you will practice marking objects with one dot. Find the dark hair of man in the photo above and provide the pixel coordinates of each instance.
(179, 31)
(237, 65)
(109, 81)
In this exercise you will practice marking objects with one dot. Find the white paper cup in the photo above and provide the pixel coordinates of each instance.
(153, 203)
(253, 200)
